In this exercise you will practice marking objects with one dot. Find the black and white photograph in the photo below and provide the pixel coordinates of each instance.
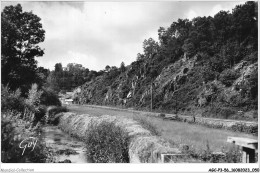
(157, 83)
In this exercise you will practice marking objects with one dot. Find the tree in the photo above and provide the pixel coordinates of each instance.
(52, 82)
(222, 25)
(122, 67)
(188, 47)
(107, 68)
(20, 34)
(58, 68)
(139, 57)
(42, 74)
(245, 20)
(150, 47)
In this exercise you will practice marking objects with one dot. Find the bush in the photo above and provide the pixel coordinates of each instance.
(52, 111)
(226, 112)
(11, 100)
(39, 115)
(56, 119)
(34, 95)
(219, 112)
(49, 97)
(233, 155)
(13, 131)
(162, 115)
(228, 76)
(230, 155)
(242, 127)
(107, 143)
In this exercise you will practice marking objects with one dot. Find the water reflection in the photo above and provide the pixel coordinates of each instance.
(65, 146)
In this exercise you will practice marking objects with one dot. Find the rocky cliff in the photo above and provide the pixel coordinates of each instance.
(205, 70)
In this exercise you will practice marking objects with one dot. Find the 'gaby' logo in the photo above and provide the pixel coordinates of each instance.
(28, 143)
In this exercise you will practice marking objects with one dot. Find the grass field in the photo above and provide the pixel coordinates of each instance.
(195, 136)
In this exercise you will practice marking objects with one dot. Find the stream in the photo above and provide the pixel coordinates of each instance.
(65, 147)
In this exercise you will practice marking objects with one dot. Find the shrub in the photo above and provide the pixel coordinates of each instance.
(233, 155)
(162, 115)
(228, 76)
(56, 119)
(13, 132)
(226, 112)
(107, 143)
(49, 97)
(34, 95)
(219, 112)
(40, 114)
(52, 111)
(11, 100)
(242, 127)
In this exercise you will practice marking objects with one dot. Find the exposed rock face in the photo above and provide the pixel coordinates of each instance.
(178, 85)
(143, 146)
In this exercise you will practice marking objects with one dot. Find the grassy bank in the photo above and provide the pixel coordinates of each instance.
(182, 133)
(108, 132)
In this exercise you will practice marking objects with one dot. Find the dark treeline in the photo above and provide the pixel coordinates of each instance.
(63, 79)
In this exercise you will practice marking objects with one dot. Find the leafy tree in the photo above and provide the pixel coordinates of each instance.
(107, 68)
(139, 57)
(122, 67)
(222, 25)
(52, 82)
(150, 47)
(189, 47)
(42, 74)
(58, 68)
(49, 97)
(245, 20)
(20, 34)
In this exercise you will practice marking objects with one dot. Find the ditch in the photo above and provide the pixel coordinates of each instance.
(66, 149)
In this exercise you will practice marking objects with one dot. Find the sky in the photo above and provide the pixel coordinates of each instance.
(96, 34)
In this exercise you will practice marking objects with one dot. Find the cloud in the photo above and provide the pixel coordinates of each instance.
(96, 34)
(191, 14)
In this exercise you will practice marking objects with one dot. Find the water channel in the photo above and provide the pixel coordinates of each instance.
(65, 147)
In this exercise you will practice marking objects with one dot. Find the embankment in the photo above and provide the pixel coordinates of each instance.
(227, 124)
(143, 146)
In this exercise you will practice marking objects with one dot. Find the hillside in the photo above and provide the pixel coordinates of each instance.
(207, 67)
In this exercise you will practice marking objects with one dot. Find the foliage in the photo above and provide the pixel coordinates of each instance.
(210, 49)
(13, 131)
(34, 96)
(49, 97)
(71, 76)
(11, 100)
(122, 67)
(20, 34)
(52, 111)
(226, 155)
(228, 77)
(107, 143)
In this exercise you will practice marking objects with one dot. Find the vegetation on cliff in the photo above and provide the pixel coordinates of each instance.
(208, 62)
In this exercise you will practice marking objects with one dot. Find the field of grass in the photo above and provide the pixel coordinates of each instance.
(195, 136)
